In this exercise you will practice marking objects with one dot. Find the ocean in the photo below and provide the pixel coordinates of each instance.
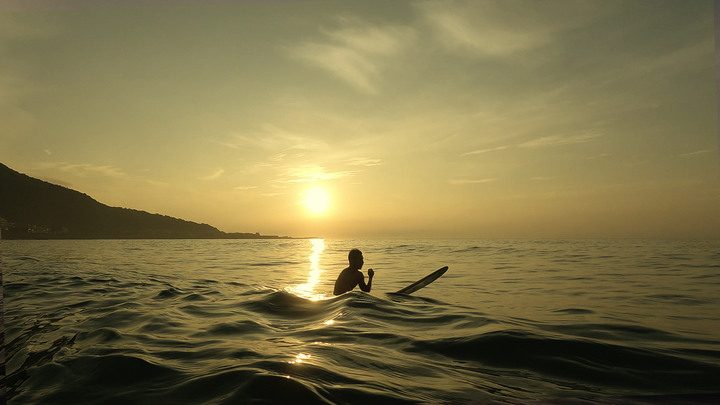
(254, 321)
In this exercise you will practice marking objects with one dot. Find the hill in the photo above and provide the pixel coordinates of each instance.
(34, 209)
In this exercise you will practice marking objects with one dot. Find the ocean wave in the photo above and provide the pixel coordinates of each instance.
(513, 327)
(103, 363)
(590, 362)
(169, 293)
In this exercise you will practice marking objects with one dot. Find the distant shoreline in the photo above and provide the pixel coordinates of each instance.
(4, 236)
(141, 238)
(33, 209)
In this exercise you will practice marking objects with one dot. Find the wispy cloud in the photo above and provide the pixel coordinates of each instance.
(366, 162)
(561, 140)
(82, 174)
(500, 28)
(243, 188)
(481, 151)
(472, 181)
(38, 5)
(84, 169)
(698, 152)
(308, 173)
(273, 138)
(356, 53)
(476, 28)
(156, 183)
(213, 176)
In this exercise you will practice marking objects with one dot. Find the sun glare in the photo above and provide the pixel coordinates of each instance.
(317, 200)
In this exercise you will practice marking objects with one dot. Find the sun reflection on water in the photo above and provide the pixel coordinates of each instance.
(300, 358)
(308, 290)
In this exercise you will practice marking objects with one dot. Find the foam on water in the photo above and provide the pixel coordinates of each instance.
(220, 322)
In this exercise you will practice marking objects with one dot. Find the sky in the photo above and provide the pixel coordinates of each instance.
(373, 119)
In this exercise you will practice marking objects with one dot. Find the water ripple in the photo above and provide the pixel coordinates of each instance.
(512, 321)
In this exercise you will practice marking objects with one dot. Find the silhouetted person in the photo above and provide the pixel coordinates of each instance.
(351, 276)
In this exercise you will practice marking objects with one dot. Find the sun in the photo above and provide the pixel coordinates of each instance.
(317, 200)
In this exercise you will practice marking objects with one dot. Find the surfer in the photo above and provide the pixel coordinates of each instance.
(351, 276)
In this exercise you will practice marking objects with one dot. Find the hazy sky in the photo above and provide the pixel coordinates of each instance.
(418, 118)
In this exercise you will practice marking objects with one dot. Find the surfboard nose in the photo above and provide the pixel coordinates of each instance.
(423, 281)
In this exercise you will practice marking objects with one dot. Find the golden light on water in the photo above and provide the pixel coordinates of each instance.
(308, 289)
(300, 358)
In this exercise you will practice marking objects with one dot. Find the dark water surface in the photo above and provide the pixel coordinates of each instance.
(254, 321)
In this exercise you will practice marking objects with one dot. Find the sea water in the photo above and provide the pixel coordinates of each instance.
(255, 321)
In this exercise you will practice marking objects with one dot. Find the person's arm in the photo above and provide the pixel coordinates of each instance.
(361, 281)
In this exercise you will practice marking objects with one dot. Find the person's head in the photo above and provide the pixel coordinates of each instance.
(355, 258)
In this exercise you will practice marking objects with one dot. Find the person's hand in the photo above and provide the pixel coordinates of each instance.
(371, 273)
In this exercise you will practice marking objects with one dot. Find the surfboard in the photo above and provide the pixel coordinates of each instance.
(423, 281)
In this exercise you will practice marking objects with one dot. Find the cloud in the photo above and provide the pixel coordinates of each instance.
(481, 151)
(84, 169)
(356, 53)
(501, 28)
(214, 176)
(698, 152)
(156, 183)
(367, 162)
(476, 181)
(38, 5)
(482, 28)
(83, 174)
(560, 140)
(308, 173)
(273, 138)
